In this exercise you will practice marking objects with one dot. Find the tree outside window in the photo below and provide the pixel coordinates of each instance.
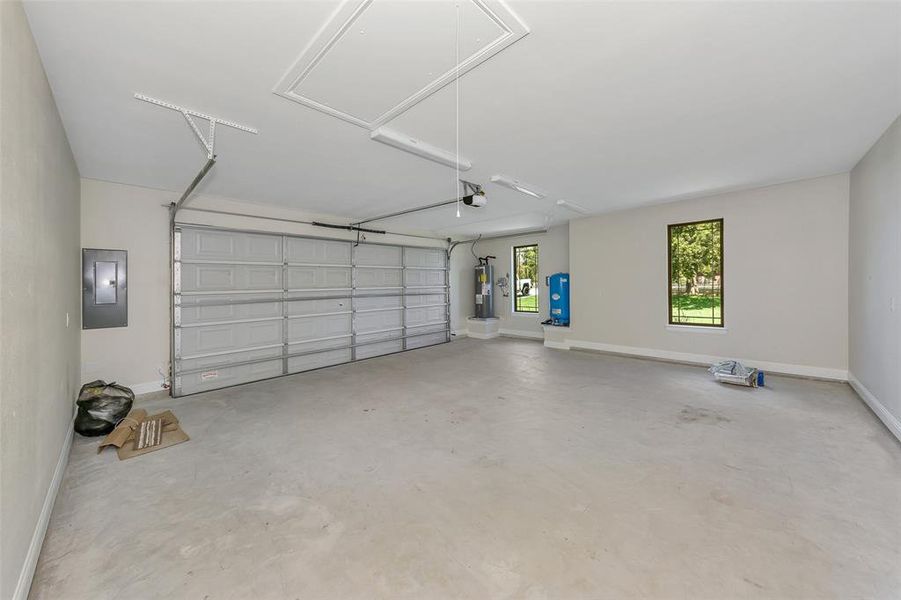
(696, 273)
(525, 275)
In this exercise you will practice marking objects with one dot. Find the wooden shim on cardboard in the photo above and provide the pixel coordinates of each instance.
(149, 433)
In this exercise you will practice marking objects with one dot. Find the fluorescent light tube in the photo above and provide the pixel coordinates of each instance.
(573, 207)
(527, 191)
(409, 144)
(519, 186)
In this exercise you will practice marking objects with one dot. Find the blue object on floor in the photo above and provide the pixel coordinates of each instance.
(759, 378)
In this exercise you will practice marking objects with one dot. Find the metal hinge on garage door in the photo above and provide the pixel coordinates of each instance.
(250, 305)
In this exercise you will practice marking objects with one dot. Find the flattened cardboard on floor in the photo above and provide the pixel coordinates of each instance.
(123, 436)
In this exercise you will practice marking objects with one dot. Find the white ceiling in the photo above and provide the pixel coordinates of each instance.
(351, 52)
(607, 105)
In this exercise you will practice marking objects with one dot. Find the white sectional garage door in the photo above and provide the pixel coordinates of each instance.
(250, 306)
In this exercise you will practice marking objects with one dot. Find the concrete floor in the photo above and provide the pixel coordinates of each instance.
(491, 469)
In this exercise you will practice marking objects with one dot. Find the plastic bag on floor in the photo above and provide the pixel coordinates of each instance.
(101, 406)
(732, 371)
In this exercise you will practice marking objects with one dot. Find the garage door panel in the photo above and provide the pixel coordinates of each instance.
(426, 340)
(314, 307)
(313, 251)
(317, 361)
(304, 278)
(227, 376)
(379, 277)
(423, 277)
(307, 294)
(425, 257)
(207, 314)
(227, 278)
(225, 338)
(261, 277)
(378, 321)
(373, 254)
(416, 300)
(377, 344)
(229, 246)
(234, 298)
(225, 360)
(433, 327)
(365, 338)
(362, 303)
(377, 292)
(428, 314)
(426, 291)
(379, 349)
(216, 308)
(209, 277)
(343, 341)
(215, 371)
(310, 328)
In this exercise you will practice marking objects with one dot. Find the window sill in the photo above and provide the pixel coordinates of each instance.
(696, 329)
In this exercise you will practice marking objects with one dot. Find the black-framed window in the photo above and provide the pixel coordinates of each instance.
(695, 252)
(525, 278)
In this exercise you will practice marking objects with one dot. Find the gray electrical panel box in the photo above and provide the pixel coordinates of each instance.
(104, 295)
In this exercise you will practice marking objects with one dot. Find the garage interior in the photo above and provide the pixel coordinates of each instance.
(434, 288)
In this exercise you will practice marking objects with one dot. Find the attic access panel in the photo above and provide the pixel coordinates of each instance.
(375, 59)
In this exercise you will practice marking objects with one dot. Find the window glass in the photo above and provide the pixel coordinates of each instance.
(525, 278)
(696, 273)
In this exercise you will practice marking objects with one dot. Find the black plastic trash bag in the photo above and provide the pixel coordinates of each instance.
(101, 406)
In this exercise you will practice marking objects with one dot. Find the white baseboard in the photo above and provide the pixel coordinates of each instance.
(703, 359)
(556, 345)
(483, 336)
(521, 333)
(145, 388)
(890, 420)
(40, 529)
(460, 333)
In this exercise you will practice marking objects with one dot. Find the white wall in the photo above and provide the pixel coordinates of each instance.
(875, 277)
(553, 257)
(135, 355)
(785, 276)
(39, 285)
(462, 288)
(123, 217)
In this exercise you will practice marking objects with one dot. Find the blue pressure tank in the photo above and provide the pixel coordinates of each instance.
(558, 287)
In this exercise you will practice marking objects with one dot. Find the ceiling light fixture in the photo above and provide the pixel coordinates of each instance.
(519, 186)
(419, 148)
(573, 207)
